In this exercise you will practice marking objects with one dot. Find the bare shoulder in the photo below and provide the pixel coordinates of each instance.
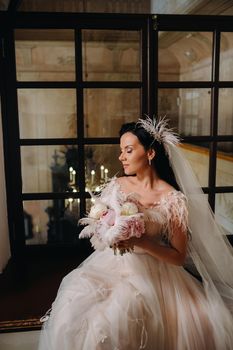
(165, 188)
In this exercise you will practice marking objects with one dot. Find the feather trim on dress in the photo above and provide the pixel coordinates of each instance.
(176, 213)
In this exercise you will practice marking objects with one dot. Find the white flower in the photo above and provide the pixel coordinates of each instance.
(97, 210)
(129, 208)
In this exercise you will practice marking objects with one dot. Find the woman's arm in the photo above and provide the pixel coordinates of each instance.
(174, 254)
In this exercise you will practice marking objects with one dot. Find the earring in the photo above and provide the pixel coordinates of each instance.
(149, 161)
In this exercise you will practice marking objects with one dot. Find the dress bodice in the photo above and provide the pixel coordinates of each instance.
(161, 217)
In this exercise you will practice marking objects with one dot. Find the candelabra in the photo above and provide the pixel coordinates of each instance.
(94, 180)
(64, 213)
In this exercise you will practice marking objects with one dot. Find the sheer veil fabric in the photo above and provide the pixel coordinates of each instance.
(209, 249)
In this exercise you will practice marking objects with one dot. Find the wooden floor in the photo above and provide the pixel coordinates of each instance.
(19, 340)
(27, 291)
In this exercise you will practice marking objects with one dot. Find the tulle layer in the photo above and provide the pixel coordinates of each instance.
(134, 302)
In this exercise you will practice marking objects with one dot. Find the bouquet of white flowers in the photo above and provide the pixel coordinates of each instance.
(106, 228)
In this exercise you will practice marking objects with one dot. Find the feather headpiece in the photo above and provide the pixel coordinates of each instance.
(159, 130)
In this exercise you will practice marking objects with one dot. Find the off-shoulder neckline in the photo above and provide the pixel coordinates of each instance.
(135, 195)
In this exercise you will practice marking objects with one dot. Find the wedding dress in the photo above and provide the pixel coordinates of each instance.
(135, 301)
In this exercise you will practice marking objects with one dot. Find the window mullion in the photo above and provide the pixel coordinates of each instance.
(80, 118)
(214, 118)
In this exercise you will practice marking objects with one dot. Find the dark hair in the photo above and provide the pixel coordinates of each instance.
(161, 160)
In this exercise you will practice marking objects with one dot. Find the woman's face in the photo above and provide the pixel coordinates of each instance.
(133, 155)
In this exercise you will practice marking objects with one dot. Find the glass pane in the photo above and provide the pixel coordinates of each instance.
(49, 168)
(105, 110)
(111, 55)
(226, 58)
(224, 176)
(45, 54)
(224, 212)
(198, 157)
(225, 121)
(47, 113)
(185, 56)
(188, 110)
(101, 164)
(89, 203)
(51, 221)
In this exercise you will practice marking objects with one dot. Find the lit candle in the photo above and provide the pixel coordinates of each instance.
(92, 176)
(70, 203)
(102, 172)
(37, 230)
(73, 176)
(71, 170)
(106, 174)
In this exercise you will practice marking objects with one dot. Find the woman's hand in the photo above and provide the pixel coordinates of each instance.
(130, 243)
(126, 244)
(175, 253)
(123, 247)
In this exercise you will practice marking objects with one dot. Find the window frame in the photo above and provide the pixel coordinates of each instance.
(76, 22)
(150, 25)
(199, 23)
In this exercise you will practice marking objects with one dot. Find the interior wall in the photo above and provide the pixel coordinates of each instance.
(110, 6)
(201, 7)
(197, 7)
(4, 231)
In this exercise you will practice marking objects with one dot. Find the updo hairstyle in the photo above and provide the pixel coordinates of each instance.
(160, 162)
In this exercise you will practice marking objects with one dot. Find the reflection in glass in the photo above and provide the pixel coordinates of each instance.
(101, 164)
(49, 168)
(187, 109)
(105, 110)
(224, 175)
(89, 203)
(224, 211)
(226, 56)
(45, 54)
(51, 221)
(198, 157)
(47, 113)
(111, 55)
(185, 56)
(225, 119)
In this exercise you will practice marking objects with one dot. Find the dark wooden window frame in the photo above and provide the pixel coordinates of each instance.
(76, 22)
(216, 25)
(149, 25)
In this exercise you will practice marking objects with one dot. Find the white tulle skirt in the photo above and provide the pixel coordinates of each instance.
(134, 302)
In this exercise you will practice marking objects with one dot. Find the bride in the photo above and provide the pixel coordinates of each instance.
(145, 298)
